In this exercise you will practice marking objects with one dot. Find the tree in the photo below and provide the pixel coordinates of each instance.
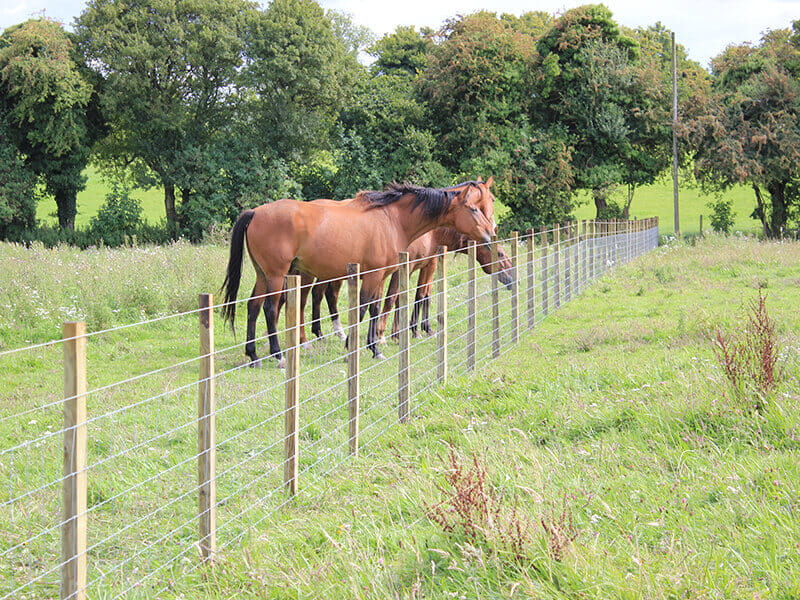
(169, 72)
(594, 86)
(477, 87)
(17, 182)
(748, 130)
(301, 73)
(404, 52)
(47, 104)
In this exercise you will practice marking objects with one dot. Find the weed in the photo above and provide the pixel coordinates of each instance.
(749, 359)
(560, 529)
(477, 511)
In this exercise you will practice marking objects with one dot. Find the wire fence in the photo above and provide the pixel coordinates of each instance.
(178, 450)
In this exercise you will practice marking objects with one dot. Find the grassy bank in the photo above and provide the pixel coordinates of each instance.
(605, 456)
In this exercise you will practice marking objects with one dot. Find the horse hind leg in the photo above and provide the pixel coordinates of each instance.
(253, 309)
(272, 304)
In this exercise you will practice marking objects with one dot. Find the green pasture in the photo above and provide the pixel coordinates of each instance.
(618, 462)
(649, 201)
(91, 199)
(657, 200)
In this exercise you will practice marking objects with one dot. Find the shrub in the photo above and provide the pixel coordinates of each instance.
(118, 219)
(722, 215)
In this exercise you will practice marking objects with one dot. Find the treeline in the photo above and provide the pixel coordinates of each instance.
(225, 105)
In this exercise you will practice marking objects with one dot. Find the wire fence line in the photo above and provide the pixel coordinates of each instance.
(119, 488)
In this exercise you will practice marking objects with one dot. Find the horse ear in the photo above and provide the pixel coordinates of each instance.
(489, 181)
(480, 179)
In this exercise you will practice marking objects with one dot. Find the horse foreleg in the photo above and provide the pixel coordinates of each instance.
(305, 288)
(388, 304)
(372, 337)
(316, 299)
(371, 287)
(332, 298)
(423, 298)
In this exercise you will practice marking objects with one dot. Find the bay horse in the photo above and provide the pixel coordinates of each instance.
(423, 258)
(320, 239)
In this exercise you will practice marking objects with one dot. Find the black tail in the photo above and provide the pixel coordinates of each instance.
(234, 273)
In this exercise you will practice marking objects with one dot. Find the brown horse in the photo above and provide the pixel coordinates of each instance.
(426, 261)
(422, 255)
(320, 239)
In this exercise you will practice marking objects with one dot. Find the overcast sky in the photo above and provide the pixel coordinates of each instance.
(704, 27)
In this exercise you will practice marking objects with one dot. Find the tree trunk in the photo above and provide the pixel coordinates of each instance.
(600, 203)
(169, 203)
(778, 216)
(626, 212)
(761, 210)
(66, 203)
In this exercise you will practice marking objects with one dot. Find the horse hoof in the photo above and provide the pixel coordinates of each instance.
(255, 363)
(306, 345)
(380, 356)
(282, 363)
(382, 339)
(342, 335)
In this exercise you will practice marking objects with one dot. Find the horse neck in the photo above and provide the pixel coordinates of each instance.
(414, 223)
(452, 238)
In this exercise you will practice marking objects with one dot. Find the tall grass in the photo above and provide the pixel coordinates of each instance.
(609, 432)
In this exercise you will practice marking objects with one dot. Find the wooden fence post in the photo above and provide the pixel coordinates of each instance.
(404, 364)
(557, 266)
(584, 270)
(545, 277)
(514, 287)
(531, 281)
(589, 251)
(75, 482)
(441, 331)
(292, 415)
(495, 300)
(472, 305)
(353, 356)
(567, 263)
(207, 432)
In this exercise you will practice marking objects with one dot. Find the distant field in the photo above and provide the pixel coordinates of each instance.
(91, 199)
(656, 201)
(653, 200)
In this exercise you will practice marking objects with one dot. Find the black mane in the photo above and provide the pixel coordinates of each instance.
(434, 201)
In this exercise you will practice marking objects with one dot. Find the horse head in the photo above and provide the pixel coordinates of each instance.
(472, 211)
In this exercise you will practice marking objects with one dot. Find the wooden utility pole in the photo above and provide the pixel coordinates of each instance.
(675, 136)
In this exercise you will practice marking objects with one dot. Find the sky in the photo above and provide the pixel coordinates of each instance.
(703, 27)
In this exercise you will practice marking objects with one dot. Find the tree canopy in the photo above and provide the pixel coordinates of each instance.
(226, 104)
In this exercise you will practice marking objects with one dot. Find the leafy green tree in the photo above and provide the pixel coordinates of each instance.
(47, 102)
(539, 186)
(478, 89)
(302, 73)
(748, 130)
(390, 120)
(17, 182)
(593, 85)
(404, 52)
(169, 72)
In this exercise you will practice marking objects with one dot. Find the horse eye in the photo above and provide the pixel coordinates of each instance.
(473, 209)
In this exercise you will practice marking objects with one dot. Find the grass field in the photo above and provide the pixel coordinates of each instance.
(657, 201)
(650, 201)
(605, 456)
(91, 199)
